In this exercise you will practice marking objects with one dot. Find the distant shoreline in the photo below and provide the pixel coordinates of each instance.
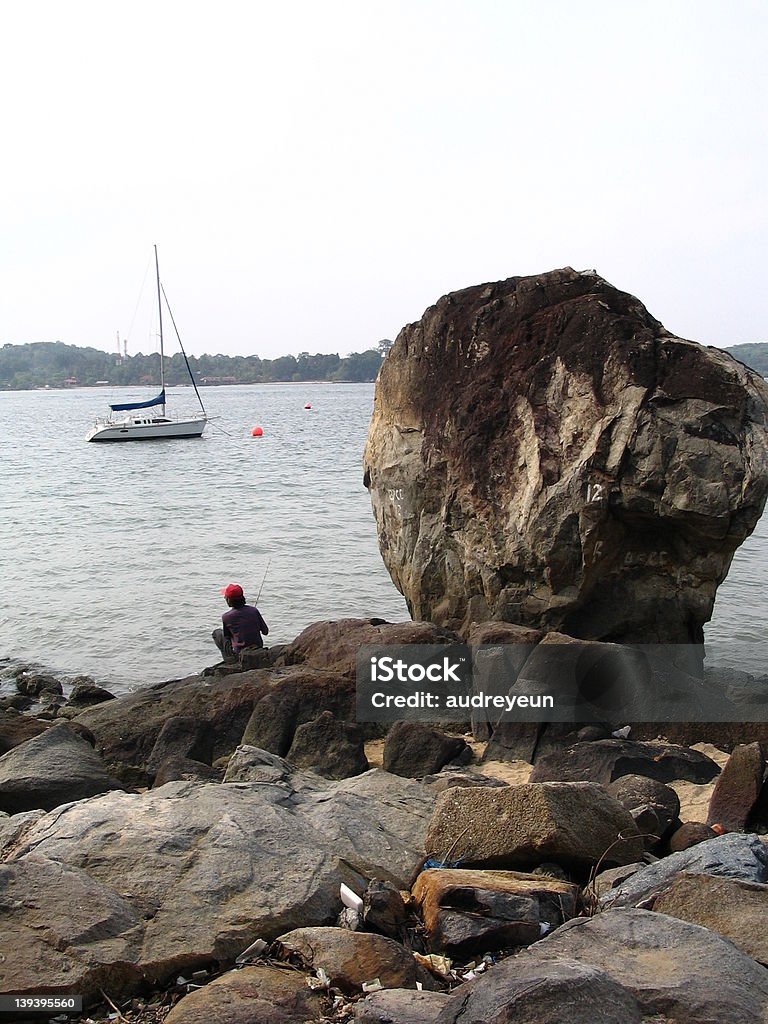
(169, 387)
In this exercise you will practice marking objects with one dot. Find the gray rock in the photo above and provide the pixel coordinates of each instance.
(333, 749)
(61, 926)
(351, 959)
(182, 737)
(414, 749)
(209, 868)
(298, 697)
(544, 452)
(738, 787)
(16, 729)
(637, 790)
(50, 769)
(677, 970)
(523, 990)
(127, 728)
(605, 761)
(251, 764)
(731, 856)
(34, 684)
(176, 769)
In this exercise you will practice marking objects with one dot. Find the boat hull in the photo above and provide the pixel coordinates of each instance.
(145, 429)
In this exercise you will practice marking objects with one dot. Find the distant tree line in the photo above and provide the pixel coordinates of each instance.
(755, 355)
(54, 364)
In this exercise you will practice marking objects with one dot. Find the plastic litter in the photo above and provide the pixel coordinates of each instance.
(623, 733)
(372, 986)
(254, 950)
(320, 981)
(433, 962)
(350, 899)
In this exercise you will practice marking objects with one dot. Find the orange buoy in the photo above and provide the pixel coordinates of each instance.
(308, 405)
(257, 432)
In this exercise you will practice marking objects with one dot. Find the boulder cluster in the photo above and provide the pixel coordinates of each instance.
(220, 848)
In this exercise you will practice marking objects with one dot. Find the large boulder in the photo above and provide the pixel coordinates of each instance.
(575, 824)
(191, 873)
(731, 856)
(16, 729)
(544, 452)
(50, 769)
(680, 971)
(332, 645)
(606, 760)
(126, 729)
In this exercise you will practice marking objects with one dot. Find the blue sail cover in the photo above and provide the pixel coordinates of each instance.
(126, 407)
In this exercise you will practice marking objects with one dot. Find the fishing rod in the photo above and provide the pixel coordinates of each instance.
(269, 562)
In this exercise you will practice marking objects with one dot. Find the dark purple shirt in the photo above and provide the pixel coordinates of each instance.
(245, 625)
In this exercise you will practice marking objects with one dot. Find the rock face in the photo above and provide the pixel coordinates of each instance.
(542, 451)
(735, 909)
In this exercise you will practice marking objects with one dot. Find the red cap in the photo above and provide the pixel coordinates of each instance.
(233, 590)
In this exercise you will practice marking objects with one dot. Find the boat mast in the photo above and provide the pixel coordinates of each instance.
(160, 312)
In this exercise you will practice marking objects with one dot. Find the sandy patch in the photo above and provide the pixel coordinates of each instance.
(694, 799)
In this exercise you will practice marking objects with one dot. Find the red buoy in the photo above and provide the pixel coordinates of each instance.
(308, 405)
(257, 432)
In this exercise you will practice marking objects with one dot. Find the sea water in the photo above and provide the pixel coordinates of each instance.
(112, 556)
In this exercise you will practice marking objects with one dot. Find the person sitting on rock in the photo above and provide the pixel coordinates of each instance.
(242, 624)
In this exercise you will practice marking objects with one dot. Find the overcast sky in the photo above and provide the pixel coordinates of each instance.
(316, 174)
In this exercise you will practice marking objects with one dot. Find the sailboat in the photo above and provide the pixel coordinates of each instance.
(141, 425)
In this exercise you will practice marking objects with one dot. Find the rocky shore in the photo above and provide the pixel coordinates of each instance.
(556, 479)
(234, 847)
